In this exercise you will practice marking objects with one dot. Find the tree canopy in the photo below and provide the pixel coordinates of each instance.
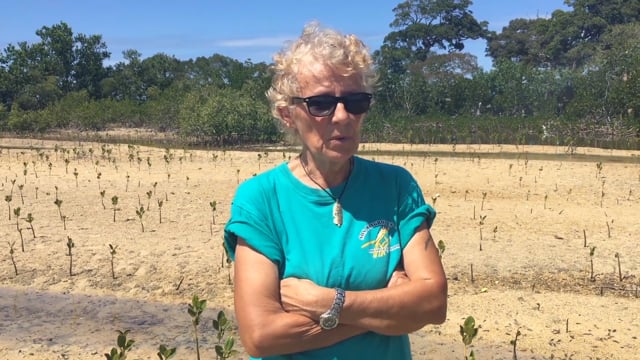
(578, 69)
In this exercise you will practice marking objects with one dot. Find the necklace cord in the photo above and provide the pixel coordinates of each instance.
(322, 187)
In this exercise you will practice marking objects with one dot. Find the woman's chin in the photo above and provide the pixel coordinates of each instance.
(342, 149)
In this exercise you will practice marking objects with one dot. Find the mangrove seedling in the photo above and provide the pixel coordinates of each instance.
(484, 196)
(16, 212)
(434, 198)
(617, 255)
(237, 176)
(195, 310)
(29, 220)
(70, 246)
(221, 324)
(213, 211)
(114, 203)
(140, 213)
(160, 203)
(112, 251)
(58, 203)
(8, 199)
(165, 353)
(229, 262)
(20, 187)
(226, 351)
(98, 176)
(102, 193)
(24, 171)
(598, 169)
(66, 165)
(468, 331)
(482, 218)
(546, 196)
(124, 345)
(514, 342)
(13, 260)
(441, 248)
(75, 174)
(21, 239)
(149, 194)
(592, 251)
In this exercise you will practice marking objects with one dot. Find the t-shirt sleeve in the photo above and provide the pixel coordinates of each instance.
(250, 220)
(413, 210)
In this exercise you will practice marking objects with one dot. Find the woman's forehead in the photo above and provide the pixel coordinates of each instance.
(313, 75)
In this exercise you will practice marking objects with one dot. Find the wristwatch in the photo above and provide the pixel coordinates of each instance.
(331, 318)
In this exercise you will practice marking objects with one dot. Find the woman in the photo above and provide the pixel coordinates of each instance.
(333, 255)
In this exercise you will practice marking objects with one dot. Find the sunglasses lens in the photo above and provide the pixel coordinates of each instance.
(357, 103)
(325, 105)
(321, 105)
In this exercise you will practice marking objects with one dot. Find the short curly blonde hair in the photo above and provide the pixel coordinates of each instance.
(345, 54)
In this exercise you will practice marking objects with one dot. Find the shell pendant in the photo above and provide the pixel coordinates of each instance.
(337, 213)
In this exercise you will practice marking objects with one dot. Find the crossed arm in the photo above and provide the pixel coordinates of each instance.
(280, 317)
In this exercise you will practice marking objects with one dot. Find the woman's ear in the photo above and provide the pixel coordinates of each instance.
(285, 115)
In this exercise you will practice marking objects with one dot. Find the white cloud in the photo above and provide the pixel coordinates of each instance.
(254, 42)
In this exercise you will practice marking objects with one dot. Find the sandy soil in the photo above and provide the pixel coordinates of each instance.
(515, 222)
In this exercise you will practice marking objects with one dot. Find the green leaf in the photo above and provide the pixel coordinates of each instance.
(219, 351)
(228, 345)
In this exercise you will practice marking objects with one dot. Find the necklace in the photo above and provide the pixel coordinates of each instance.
(337, 207)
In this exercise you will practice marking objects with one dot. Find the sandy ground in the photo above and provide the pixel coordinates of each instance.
(515, 222)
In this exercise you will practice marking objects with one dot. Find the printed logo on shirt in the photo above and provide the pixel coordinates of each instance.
(380, 245)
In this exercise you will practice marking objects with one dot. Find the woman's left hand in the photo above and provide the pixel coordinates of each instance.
(300, 296)
(398, 277)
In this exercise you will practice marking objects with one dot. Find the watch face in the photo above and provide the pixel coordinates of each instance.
(328, 321)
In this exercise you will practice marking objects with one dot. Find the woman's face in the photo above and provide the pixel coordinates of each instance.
(333, 138)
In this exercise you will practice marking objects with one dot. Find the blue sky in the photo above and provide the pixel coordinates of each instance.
(241, 29)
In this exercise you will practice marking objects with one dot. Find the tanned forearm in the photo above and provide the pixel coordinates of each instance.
(285, 333)
(397, 310)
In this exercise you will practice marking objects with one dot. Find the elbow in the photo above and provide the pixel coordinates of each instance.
(256, 343)
(439, 310)
(440, 304)
(439, 315)
(435, 310)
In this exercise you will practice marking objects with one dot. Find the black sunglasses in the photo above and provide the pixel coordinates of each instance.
(325, 105)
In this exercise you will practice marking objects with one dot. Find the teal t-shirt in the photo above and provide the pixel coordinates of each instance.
(292, 225)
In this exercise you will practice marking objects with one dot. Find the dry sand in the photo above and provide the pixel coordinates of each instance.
(531, 269)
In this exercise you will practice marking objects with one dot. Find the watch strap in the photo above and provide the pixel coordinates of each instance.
(338, 301)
